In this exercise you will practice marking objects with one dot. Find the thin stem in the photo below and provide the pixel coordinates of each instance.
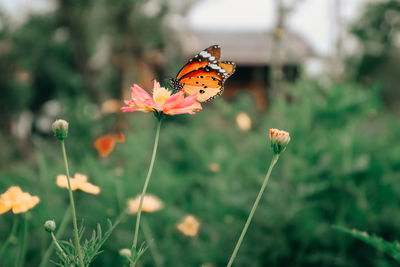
(10, 237)
(146, 183)
(71, 198)
(21, 260)
(58, 245)
(60, 232)
(253, 209)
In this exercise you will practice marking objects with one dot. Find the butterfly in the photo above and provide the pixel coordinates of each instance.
(204, 75)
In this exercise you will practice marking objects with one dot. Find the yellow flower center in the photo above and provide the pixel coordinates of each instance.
(161, 95)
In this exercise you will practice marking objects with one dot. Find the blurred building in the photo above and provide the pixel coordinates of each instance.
(253, 52)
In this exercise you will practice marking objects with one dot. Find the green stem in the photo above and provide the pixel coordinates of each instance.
(10, 237)
(58, 245)
(71, 198)
(60, 232)
(253, 209)
(21, 260)
(146, 183)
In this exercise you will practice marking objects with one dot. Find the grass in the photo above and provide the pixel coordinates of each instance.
(342, 168)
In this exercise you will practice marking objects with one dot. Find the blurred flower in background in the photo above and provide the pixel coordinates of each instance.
(111, 106)
(213, 167)
(189, 226)
(17, 201)
(105, 144)
(79, 182)
(151, 203)
(243, 121)
(125, 252)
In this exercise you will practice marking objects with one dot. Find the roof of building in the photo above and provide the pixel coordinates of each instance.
(249, 48)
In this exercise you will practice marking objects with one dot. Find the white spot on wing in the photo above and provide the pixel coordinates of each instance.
(205, 54)
(214, 66)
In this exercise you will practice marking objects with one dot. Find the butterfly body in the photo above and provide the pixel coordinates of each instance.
(204, 75)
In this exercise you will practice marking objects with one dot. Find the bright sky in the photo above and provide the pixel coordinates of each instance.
(312, 19)
(19, 8)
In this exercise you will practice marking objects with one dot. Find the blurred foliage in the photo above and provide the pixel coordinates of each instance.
(341, 167)
(80, 47)
(392, 249)
(378, 32)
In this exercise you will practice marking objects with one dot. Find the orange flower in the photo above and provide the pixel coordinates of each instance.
(105, 144)
(162, 101)
(79, 182)
(151, 203)
(189, 226)
(119, 137)
(17, 200)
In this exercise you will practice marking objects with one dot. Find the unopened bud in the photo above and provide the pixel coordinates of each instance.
(50, 226)
(60, 129)
(279, 140)
(125, 252)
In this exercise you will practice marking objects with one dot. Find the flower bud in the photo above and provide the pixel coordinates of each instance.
(50, 226)
(279, 140)
(60, 129)
(125, 252)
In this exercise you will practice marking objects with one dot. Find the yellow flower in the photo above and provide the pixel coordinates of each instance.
(213, 167)
(151, 203)
(17, 200)
(79, 182)
(189, 226)
(243, 121)
(161, 95)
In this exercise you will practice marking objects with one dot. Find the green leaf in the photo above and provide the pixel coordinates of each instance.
(390, 248)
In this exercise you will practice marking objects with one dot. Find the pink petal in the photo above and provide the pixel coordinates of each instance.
(188, 101)
(174, 100)
(125, 109)
(188, 109)
(140, 96)
(156, 85)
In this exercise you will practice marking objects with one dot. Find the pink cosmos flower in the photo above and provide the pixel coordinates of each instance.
(162, 101)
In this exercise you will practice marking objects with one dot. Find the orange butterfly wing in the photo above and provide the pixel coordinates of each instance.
(207, 82)
(204, 75)
(228, 66)
(202, 59)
